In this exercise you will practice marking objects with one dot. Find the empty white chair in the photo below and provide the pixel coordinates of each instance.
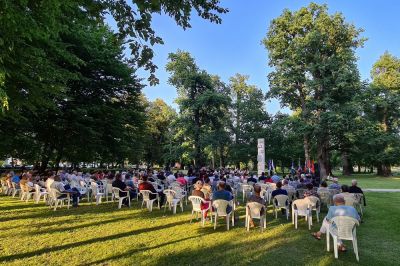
(300, 207)
(246, 190)
(253, 211)
(343, 228)
(97, 192)
(315, 205)
(125, 195)
(172, 200)
(148, 201)
(281, 202)
(220, 211)
(196, 208)
(39, 193)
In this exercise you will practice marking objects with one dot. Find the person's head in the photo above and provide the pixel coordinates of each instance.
(263, 174)
(345, 188)
(354, 182)
(335, 180)
(257, 189)
(144, 178)
(324, 184)
(285, 182)
(57, 178)
(279, 184)
(221, 185)
(118, 176)
(198, 185)
(338, 200)
(309, 186)
(207, 180)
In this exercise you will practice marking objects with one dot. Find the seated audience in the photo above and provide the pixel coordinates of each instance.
(286, 185)
(252, 179)
(223, 194)
(355, 189)
(338, 210)
(256, 198)
(310, 191)
(335, 184)
(279, 190)
(124, 187)
(59, 186)
(146, 185)
(323, 187)
(262, 177)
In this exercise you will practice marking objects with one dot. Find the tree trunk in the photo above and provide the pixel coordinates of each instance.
(346, 163)
(384, 170)
(197, 149)
(307, 148)
(323, 158)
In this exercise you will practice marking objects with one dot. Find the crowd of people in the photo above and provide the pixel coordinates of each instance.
(208, 184)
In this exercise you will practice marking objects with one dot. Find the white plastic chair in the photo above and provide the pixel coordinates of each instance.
(300, 207)
(56, 201)
(196, 208)
(220, 211)
(291, 194)
(281, 202)
(149, 202)
(253, 211)
(315, 205)
(97, 192)
(26, 193)
(39, 193)
(109, 192)
(4, 187)
(15, 189)
(116, 194)
(326, 198)
(343, 228)
(300, 193)
(359, 202)
(172, 200)
(246, 190)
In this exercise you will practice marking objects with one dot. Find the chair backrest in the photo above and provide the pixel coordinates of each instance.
(333, 191)
(263, 186)
(14, 185)
(37, 189)
(314, 201)
(272, 186)
(94, 187)
(254, 209)
(301, 205)
(358, 197)
(349, 199)
(280, 200)
(325, 197)
(291, 193)
(169, 195)
(196, 202)
(145, 194)
(250, 183)
(220, 206)
(263, 194)
(300, 192)
(247, 188)
(344, 226)
(116, 191)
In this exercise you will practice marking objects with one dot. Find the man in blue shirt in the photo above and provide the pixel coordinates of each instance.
(338, 210)
(16, 178)
(279, 190)
(222, 194)
(275, 178)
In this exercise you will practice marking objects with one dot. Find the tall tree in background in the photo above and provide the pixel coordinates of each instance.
(249, 119)
(199, 99)
(313, 55)
(385, 75)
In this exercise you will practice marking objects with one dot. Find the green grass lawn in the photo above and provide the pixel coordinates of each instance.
(103, 235)
(372, 181)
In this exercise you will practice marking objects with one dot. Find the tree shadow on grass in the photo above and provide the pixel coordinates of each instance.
(131, 252)
(87, 242)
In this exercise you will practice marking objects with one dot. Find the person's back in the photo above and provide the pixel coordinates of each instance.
(256, 196)
(342, 210)
(279, 190)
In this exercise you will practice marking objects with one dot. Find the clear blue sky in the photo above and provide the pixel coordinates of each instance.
(235, 45)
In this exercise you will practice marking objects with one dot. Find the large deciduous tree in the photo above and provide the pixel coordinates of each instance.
(313, 56)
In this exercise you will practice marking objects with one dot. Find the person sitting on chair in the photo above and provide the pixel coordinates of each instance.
(310, 191)
(278, 190)
(124, 187)
(58, 185)
(256, 197)
(145, 185)
(323, 187)
(252, 179)
(335, 184)
(338, 210)
(355, 189)
(223, 194)
(198, 192)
